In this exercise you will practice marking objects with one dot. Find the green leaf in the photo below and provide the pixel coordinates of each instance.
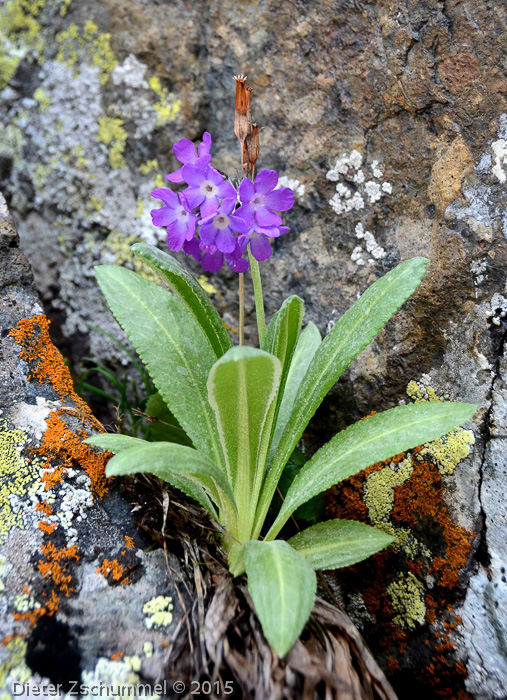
(313, 510)
(243, 387)
(163, 459)
(367, 442)
(350, 335)
(166, 427)
(307, 346)
(116, 443)
(182, 283)
(283, 333)
(282, 585)
(171, 345)
(338, 543)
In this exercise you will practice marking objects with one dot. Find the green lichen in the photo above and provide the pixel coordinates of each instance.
(13, 669)
(158, 612)
(67, 41)
(168, 107)
(43, 99)
(112, 134)
(18, 479)
(65, 7)
(407, 598)
(11, 141)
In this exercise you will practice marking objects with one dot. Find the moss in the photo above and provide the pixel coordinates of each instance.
(158, 612)
(407, 597)
(168, 107)
(43, 99)
(18, 479)
(112, 134)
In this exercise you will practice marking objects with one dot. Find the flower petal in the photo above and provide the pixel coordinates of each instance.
(227, 206)
(266, 181)
(193, 174)
(213, 175)
(246, 190)
(209, 206)
(269, 231)
(184, 150)
(225, 241)
(238, 224)
(260, 247)
(246, 212)
(265, 217)
(227, 191)
(176, 235)
(191, 226)
(175, 176)
(280, 200)
(166, 195)
(212, 262)
(236, 264)
(163, 216)
(208, 233)
(193, 197)
(192, 248)
(205, 146)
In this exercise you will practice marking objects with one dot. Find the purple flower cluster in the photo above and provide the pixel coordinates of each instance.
(205, 220)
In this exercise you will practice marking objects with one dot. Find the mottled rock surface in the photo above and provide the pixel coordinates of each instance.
(388, 117)
(81, 600)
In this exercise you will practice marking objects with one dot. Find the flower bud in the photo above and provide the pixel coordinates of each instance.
(253, 145)
(242, 125)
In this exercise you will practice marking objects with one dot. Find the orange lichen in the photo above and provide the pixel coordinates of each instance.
(129, 542)
(112, 568)
(117, 656)
(45, 361)
(441, 550)
(45, 508)
(46, 527)
(55, 566)
(61, 443)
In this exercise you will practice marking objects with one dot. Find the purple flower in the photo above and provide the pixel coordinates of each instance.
(176, 215)
(184, 150)
(260, 200)
(219, 228)
(212, 259)
(258, 238)
(206, 187)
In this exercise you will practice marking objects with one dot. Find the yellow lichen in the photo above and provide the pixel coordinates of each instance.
(449, 450)
(148, 166)
(13, 669)
(159, 181)
(120, 245)
(95, 47)
(112, 134)
(18, 479)
(167, 108)
(19, 31)
(207, 286)
(158, 612)
(139, 208)
(379, 489)
(407, 598)
(42, 98)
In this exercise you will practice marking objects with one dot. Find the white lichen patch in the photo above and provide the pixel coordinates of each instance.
(158, 612)
(357, 185)
(499, 169)
(373, 249)
(31, 418)
(298, 188)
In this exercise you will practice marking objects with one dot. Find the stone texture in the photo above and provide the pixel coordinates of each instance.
(418, 90)
(80, 598)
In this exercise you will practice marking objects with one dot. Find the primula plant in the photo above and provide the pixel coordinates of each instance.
(236, 413)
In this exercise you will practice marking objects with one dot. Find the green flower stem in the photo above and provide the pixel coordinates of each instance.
(241, 309)
(259, 301)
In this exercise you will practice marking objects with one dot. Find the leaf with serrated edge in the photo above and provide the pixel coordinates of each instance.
(367, 442)
(283, 586)
(165, 458)
(182, 283)
(243, 387)
(338, 543)
(307, 346)
(116, 443)
(171, 345)
(349, 336)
